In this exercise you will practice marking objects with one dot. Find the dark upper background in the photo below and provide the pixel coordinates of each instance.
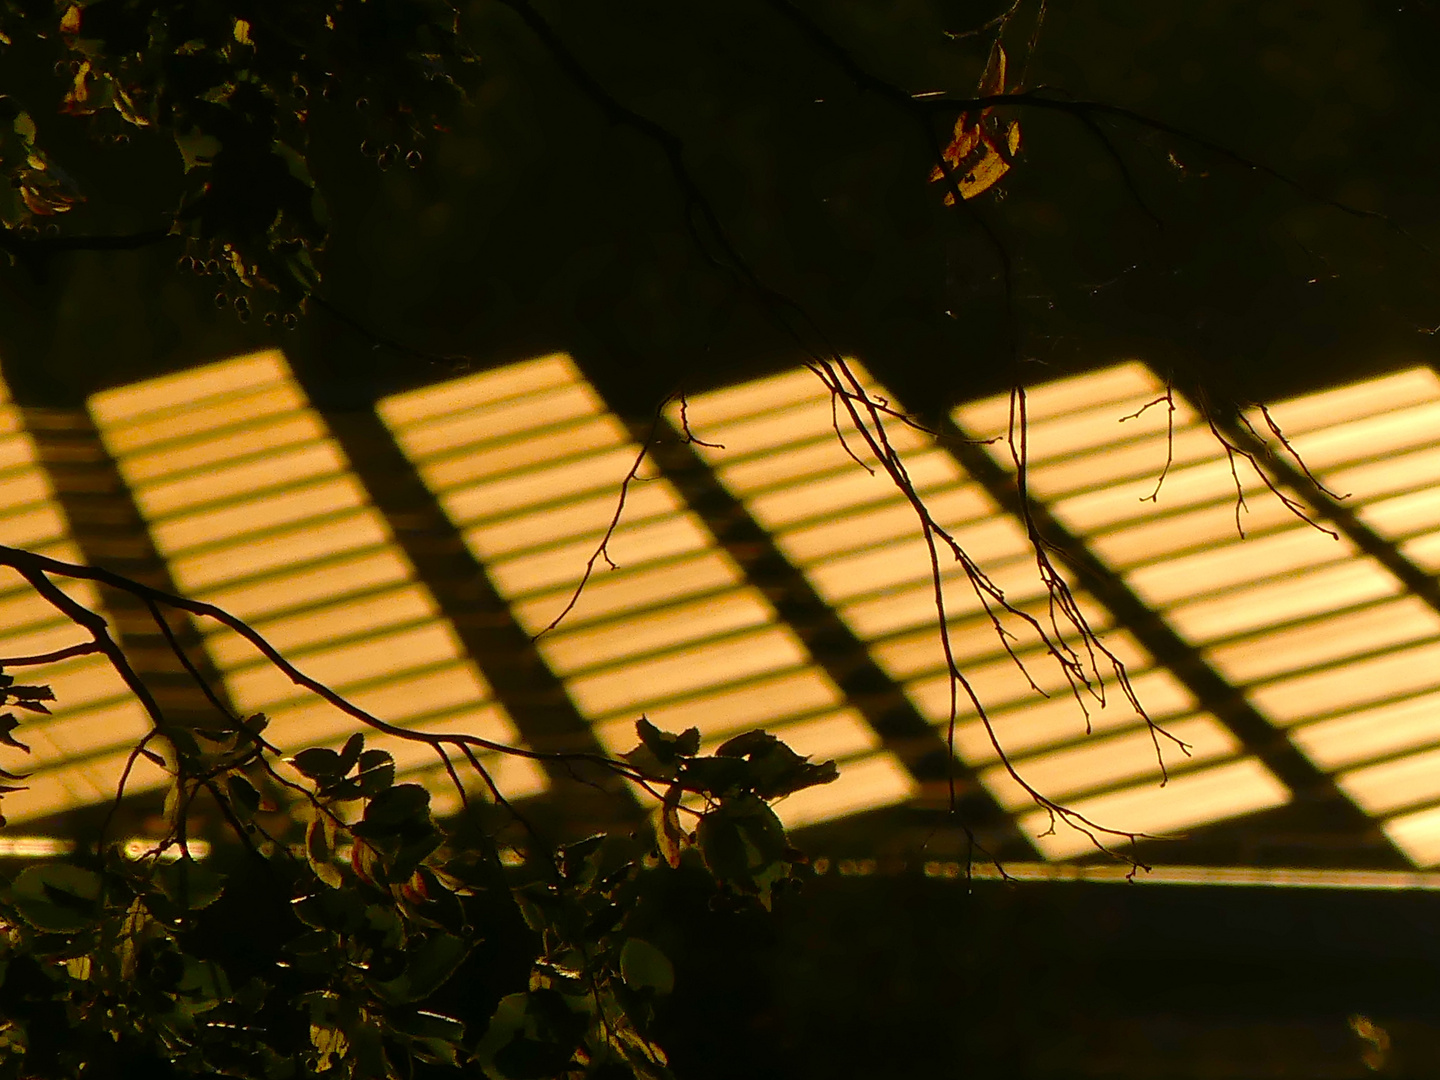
(541, 224)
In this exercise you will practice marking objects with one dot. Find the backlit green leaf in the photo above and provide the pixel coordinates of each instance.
(644, 967)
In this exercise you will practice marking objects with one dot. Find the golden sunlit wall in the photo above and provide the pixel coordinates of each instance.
(77, 755)
(256, 510)
(1369, 708)
(774, 444)
(253, 506)
(528, 463)
(1323, 639)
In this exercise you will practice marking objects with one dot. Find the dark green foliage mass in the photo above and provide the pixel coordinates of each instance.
(374, 942)
(225, 95)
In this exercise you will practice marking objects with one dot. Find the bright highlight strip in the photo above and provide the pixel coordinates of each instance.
(256, 510)
(528, 464)
(79, 753)
(1321, 638)
(856, 538)
(1377, 720)
(1231, 876)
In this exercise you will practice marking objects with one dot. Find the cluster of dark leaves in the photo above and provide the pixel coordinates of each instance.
(234, 90)
(738, 834)
(108, 959)
(30, 699)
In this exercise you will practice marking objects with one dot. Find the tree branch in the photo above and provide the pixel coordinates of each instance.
(38, 246)
(37, 568)
(867, 415)
(925, 107)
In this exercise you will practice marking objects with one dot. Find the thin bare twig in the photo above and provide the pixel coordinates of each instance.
(996, 23)
(687, 435)
(135, 754)
(84, 648)
(1083, 111)
(35, 568)
(827, 362)
(1289, 449)
(30, 247)
(1121, 166)
(602, 550)
(1234, 452)
(184, 658)
(453, 362)
(1168, 400)
(869, 424)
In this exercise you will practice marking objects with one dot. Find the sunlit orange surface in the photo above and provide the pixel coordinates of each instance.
(78, 754)
(254, 507)
(528, 463)
(858, 541)
(1320, 637)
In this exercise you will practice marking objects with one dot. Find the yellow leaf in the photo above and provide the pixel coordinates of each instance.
(237, 263)
(978, 154)
(46, 203)
(242, 32)
(125, 106)
(672, 837)
(992, 82)
(70, 21)
(78, 93)
(990, 166)
(330, 1043)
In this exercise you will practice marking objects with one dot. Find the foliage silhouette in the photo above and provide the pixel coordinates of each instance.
(385, 905)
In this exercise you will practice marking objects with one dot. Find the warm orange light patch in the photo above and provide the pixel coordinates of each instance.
(78, 754)
(858, 541)
(1318, 635)
(1374, 714)
(256, 510)
(528, 463)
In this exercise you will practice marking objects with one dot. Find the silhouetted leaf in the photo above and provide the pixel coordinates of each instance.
(644, 967)
(318, 763)
(8, 724)
(57, 896)
(244, 799)
(377, 772)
